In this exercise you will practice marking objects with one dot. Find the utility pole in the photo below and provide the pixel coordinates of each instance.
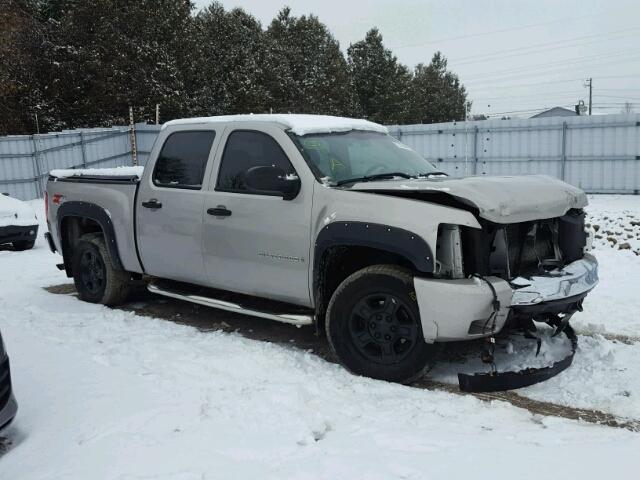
(157, 113)
(590, 85)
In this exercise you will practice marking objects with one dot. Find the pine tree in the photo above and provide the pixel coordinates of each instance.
(382, 84)
(106, 55)
(21, 39)
(227, 75)
(307, 71)
(436, 94)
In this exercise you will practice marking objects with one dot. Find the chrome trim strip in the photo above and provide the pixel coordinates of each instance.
(294, 319)
(574, 279)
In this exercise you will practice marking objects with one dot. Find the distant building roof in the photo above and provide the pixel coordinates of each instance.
(556, 112)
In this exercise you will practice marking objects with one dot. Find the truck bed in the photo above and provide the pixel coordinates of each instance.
(113, 190)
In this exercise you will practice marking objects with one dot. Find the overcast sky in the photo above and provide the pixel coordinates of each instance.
(513, 56)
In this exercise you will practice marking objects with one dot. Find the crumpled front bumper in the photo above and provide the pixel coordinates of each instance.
(453, 310)
(573, 280)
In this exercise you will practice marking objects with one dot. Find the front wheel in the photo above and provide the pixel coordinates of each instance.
(95, 278)
(373, 325)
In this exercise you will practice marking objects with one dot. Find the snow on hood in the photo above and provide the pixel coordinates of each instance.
(16, 212)
(99, 172)
(298, 123)
(498, 199)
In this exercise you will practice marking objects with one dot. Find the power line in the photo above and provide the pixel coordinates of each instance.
(481, 34)
(564, 63)
(617, 96)
(533, 49)
(497, 85)
(546, 73)
(538, 94)
(630, 89)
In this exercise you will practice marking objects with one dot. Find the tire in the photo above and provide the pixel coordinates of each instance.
(23, 245)
(95, 278)
(373, 326)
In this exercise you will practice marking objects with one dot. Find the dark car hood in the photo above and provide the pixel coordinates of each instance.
(497, 199)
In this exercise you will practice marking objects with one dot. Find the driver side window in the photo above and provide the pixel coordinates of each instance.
(244, 150)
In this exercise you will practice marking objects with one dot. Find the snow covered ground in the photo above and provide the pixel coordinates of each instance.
(107, 394)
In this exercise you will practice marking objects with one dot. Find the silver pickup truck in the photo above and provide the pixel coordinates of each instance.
(326, 221)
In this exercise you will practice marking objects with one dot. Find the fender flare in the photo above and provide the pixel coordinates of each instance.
(382, 237)
(98, 215)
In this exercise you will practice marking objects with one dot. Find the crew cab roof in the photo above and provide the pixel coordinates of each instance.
(299, 124)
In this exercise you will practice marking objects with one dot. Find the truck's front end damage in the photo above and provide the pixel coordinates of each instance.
(508, 275)
(525, 260)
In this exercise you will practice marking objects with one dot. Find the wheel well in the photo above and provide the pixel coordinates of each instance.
(71, 230)
(338, 262)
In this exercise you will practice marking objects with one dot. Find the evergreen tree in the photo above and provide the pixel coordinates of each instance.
(307, 72)
(106, 55)
(227, 74)
(82, 63)
(382, 84)
(436, 94)
(21, 39)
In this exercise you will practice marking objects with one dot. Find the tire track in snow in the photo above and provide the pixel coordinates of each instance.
(209, 319)
(539, 407)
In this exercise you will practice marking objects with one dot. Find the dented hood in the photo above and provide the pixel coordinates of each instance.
(498, 199)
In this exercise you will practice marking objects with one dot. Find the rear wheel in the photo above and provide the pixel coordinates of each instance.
(95, 278)
(23, 245)
(373, 325)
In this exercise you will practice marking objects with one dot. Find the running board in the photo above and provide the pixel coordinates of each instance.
(236, 307)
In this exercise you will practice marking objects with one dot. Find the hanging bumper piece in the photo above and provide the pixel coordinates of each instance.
(501, 381)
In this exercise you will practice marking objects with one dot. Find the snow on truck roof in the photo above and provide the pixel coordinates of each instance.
(299, 124)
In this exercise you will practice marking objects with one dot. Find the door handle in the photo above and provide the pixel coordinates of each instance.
(219, 211)
(153, 204)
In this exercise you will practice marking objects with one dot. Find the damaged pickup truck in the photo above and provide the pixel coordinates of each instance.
(327, 221)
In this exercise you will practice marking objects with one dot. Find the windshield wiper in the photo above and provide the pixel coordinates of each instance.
(377, 176)
(430, 174)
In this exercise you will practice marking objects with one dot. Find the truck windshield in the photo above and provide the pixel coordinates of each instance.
(338, 158)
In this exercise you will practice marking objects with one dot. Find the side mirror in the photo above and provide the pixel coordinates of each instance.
(272, 180)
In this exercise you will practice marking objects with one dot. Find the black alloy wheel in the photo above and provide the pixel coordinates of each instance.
(374, 327)
(92, 272)
(383, 328)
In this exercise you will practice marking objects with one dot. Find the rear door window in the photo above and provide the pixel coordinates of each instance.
(183, 159)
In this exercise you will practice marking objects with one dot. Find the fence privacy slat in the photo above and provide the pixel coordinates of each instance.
(600, 154)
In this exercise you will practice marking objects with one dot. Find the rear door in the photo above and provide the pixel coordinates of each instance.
(170, 204)
(258, 244)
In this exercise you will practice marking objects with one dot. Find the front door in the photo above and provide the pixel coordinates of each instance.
(257, 244)
(170, 207)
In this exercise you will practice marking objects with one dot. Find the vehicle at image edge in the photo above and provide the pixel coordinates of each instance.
(327, 221)
(8, 404)
(18, 223)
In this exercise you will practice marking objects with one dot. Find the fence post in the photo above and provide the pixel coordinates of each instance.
(36, 167)
(563, 157)
(134, 146)
(475, 150)
(84, 150)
